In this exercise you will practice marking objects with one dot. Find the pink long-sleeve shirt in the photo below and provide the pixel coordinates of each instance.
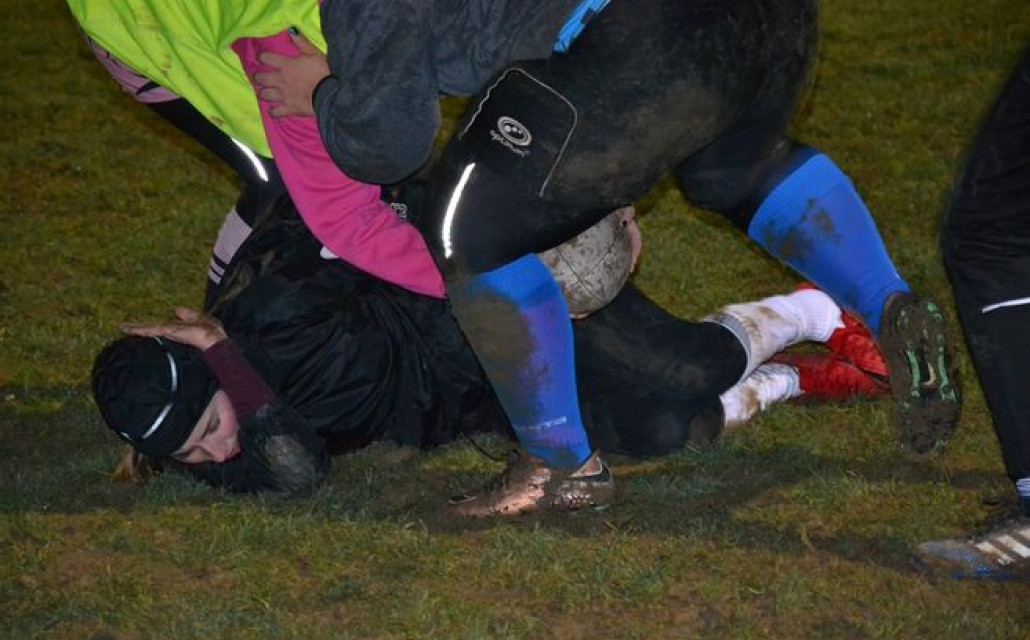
(348, 217)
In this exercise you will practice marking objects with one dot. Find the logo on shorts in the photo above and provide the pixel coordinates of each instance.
(514, 132)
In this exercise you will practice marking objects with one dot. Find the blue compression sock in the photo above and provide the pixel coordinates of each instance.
(531, 363)
(815, 221)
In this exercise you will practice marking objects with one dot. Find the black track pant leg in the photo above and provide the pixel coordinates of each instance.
(986, 246)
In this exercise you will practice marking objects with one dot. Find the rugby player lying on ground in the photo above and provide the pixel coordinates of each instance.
(301, 358)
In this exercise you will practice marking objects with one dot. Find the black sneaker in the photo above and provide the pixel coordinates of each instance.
(1001, 554)
(528, 485)
(926, 399)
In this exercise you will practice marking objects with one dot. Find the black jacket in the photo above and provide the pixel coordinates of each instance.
(351, 359)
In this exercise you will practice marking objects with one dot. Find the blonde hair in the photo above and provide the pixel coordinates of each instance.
(135, 468)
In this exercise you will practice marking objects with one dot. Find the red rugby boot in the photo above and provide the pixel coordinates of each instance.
(854, 343)
(825, 377)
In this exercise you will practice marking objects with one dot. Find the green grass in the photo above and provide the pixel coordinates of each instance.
(799, 525)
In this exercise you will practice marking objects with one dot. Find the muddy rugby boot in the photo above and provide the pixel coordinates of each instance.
(922, 376)
(825, 377)
(527, 485)
(854, 343)
(1003, 553)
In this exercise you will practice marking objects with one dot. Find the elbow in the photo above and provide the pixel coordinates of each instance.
(386, 164)
(295, 469)
(379, 152)
(386, 174)
(373, 140)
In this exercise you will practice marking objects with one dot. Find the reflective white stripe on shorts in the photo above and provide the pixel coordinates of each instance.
(452, 207)
(1017, 302)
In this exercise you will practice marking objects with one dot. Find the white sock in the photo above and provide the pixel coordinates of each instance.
(767, 385)
(770, 325)
(232, 234)
(1023, 488)
(819, 312)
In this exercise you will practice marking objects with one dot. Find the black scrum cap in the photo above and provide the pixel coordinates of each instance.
(151, 392)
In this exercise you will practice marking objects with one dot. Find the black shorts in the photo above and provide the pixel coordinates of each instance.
(705, 89)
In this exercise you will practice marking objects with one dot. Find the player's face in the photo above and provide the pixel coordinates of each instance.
(214, 438)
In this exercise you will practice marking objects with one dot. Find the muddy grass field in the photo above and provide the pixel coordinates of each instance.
(798, 525)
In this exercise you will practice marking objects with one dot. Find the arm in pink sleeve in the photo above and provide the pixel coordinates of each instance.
(345, 215)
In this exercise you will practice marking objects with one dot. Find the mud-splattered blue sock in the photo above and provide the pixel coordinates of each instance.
(815, 221)
(516, 319)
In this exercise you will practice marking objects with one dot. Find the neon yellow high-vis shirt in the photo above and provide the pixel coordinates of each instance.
(185, 46)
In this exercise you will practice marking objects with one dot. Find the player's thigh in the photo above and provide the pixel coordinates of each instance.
(655, 82)
(648, 83)
(738, 164)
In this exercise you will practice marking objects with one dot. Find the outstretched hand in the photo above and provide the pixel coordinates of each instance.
(193, 328)
(292, 81)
